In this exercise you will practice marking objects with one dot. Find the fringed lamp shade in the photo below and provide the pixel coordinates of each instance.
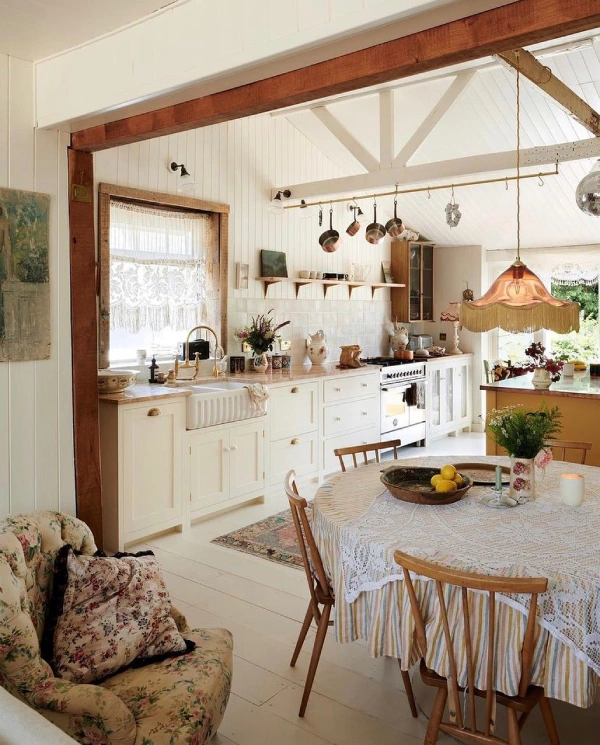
(518, 302)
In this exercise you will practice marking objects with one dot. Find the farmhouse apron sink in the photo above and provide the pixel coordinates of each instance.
(218, 403)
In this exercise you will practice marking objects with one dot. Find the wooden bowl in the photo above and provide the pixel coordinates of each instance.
(412, 484)
(115, 381)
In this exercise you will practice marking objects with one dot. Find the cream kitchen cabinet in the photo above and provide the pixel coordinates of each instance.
(294, 430)
(448, 395)
(141, 464)
(226, 465)
(351, 414)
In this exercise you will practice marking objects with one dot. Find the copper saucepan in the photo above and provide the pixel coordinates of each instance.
(375, 231)
(330, 239)
(394, 227)
(354, 226)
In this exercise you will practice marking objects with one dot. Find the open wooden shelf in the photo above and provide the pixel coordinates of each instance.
(325, 283)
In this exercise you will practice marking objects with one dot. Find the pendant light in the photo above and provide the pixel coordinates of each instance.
(517, 301)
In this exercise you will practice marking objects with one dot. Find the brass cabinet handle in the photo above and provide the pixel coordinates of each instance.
(337, 390)
(295, 441)
(294, 390)
(154, 412)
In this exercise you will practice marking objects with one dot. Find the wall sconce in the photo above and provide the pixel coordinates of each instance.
(276, 204)
(177, 166)
(186, 182)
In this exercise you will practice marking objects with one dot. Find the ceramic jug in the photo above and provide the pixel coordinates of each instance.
(260, 363)
(399, 338)
(317, 348)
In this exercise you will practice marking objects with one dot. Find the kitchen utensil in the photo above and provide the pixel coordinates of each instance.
(360, 272)
(330, 239)
(375, 231)
(394, 226)
(482, 473)
(354, 226)
(413, 485)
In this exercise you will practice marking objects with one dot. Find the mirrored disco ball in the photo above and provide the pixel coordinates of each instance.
(587, 195)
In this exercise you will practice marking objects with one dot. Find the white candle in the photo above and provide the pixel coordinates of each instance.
(572, 489)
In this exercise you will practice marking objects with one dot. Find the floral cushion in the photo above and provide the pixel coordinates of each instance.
(107, 613)
(178, 701)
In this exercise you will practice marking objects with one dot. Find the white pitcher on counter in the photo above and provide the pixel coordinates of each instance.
(317, 348)
(398, 337)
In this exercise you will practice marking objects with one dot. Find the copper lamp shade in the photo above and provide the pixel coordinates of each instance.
(518, 302)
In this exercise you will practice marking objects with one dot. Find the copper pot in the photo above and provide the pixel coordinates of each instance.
(375, 231)
(354, 226)
(394, 226)
(330, 239)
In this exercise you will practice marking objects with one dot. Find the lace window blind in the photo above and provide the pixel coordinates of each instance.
(157, 267)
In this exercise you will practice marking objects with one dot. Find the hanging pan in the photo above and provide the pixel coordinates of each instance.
(375, 231)
(330, 239)
(394, 227)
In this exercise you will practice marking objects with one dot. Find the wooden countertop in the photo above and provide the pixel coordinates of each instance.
(302, 373)
(579, 386)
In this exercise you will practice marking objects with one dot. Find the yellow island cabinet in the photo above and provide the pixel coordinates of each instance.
(578, 399)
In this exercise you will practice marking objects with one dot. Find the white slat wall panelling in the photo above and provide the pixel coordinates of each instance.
(36, 421)
(22, 374)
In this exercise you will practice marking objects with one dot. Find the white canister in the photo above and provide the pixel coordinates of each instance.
(568, 370)
(140, 356)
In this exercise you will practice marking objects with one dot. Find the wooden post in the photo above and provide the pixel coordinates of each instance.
(84, 341)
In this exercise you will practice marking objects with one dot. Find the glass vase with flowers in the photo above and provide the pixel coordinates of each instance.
(546, 370)
(260, 335)
(524, 434)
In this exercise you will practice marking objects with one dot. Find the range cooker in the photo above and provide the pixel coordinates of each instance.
(403, 400)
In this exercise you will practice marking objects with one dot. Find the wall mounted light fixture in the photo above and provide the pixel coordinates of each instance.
(177, 166)
(276, 204)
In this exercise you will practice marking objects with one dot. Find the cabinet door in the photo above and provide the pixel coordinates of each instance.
(414, 281)
(448, 395)
(293, 410)
(462, 403)
(427, 283)
(209, 468)
(300, 453)
(434, 392)
(151, 462)
(246, 458)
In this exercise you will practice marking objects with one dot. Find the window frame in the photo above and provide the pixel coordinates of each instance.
(219, 213)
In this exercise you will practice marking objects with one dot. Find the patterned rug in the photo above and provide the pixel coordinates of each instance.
(273, 539)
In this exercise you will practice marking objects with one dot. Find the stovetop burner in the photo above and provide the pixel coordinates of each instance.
(386, 361)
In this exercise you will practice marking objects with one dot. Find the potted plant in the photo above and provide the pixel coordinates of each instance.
(546, 370)
(524, 435)
(260, 335)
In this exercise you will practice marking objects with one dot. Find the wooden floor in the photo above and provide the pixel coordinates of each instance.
(356, 700)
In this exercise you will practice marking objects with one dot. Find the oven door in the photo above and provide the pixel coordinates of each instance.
(394, 407)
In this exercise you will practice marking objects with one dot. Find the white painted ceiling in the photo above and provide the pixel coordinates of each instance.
(34, 29)
(481, 121)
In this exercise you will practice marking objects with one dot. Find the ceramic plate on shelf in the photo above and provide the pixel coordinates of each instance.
(482, 473)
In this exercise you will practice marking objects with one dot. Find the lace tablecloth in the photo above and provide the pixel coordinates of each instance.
(358, 525)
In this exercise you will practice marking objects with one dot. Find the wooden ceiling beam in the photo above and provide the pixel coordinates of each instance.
(543, 77)
(509, 27)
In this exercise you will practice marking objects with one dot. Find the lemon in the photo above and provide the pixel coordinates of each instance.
(448, 472)
(435, 479)
(458, 479)
(445, 485)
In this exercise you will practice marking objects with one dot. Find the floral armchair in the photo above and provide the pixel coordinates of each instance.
(179, 700)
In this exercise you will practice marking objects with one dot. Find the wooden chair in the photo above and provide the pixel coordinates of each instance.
(373, 447)
(322, 598)
(563, 445)
(528, 695)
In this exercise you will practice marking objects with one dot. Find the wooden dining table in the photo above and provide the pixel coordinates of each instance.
(358, 525)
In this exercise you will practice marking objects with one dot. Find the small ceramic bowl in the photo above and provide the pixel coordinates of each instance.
(115, 381)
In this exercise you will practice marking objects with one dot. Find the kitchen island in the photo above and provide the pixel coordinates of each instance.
(578, 399)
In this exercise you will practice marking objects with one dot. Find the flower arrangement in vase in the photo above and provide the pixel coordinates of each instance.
(546, 370)
(524, 435)
(260, 334)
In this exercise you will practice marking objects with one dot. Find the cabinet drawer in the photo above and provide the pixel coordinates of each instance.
(351, 415)
(350, 387)
(331, 464)
(293, 410)
(299, 453)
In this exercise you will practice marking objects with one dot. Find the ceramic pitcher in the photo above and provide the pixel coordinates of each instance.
(317, 348)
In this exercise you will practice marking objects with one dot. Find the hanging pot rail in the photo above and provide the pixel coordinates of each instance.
(369, 195)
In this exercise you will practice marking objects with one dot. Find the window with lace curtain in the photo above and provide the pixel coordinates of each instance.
(158, 277)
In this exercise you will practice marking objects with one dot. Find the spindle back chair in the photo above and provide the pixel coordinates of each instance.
(364, 450)
(560, 447)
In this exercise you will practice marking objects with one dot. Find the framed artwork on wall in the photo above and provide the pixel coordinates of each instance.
(387, 272)
(241, 276)
(273, 264)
